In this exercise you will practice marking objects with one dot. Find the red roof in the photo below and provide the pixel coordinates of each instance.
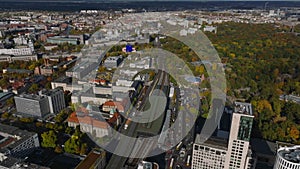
(114, 118)
(16, 25)
(87, 120)
(73, 118)
(117, 105)
(91, 160)
(7, 142)
(99, 124)
(17, 85)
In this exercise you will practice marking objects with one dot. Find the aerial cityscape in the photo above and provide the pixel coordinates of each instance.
(87, 84)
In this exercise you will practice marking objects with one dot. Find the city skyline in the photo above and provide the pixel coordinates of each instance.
(157, 84)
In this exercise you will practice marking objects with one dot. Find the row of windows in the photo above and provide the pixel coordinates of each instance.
(236, 154)
(239, 141)
(209, 158)
(209, 149)
(210, 154)
(206, 165)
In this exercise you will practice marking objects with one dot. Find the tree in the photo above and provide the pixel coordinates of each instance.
(200, 69)
(72, 146)
(263, 104)
(4, 82)
(58, 149)
(39, 124)
(26, 120)
(83, 149)
(5, 115)
(102, 69)
(68, 130)
(268, 63)
(277, 107)
(49, 126)
(48, 85)
(10, 101)
(49, 139)
(294, 133)
(32, 66)
(33, 88)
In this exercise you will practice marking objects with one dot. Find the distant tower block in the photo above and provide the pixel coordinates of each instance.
(292, 28)
(266, 5)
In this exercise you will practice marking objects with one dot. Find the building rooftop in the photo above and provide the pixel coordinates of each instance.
(291, 154)
(91, 159)
(84, 117)
(243, 108)
(147, 165)
(50, 92)
(154, 123)
(3, 94)
(106, 96)
(214, 142)
(63, 38)
(8, 162)
(81, 66)
(116, 104)
(263, 147)
(113, 58)
(11, 137)
(64, 79)
(31, 96)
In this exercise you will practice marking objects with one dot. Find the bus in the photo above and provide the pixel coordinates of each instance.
(179, 146)
(188, 160)
(127, 124)
(171, 163)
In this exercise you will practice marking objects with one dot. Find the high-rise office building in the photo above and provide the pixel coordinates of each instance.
(288, 158)
(48, 101)
(56, 99)
(234, 153)
(210, 154)
(32, 105)
(239, 138)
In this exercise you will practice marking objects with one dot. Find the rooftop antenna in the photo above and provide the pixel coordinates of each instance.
(266, 6)
(68, 30)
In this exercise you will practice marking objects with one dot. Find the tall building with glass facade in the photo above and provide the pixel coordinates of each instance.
(234, 153)
(238, 145)
(56, 99)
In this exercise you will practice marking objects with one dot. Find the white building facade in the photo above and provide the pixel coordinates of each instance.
(236, 154)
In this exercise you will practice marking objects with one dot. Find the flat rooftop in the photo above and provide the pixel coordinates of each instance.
(81, 66)
(213, 142)
(291, 154)
(243, 108)
(31, 96)
(11, 137)
(91, 159)
(155, 122)
(64, 79)
(50, 92)
(3, 94)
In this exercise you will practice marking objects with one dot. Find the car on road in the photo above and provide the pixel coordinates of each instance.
(182, 153)
(178, 167)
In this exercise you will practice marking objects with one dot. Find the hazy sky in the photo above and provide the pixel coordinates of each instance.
(136, 0)
(144, 0)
